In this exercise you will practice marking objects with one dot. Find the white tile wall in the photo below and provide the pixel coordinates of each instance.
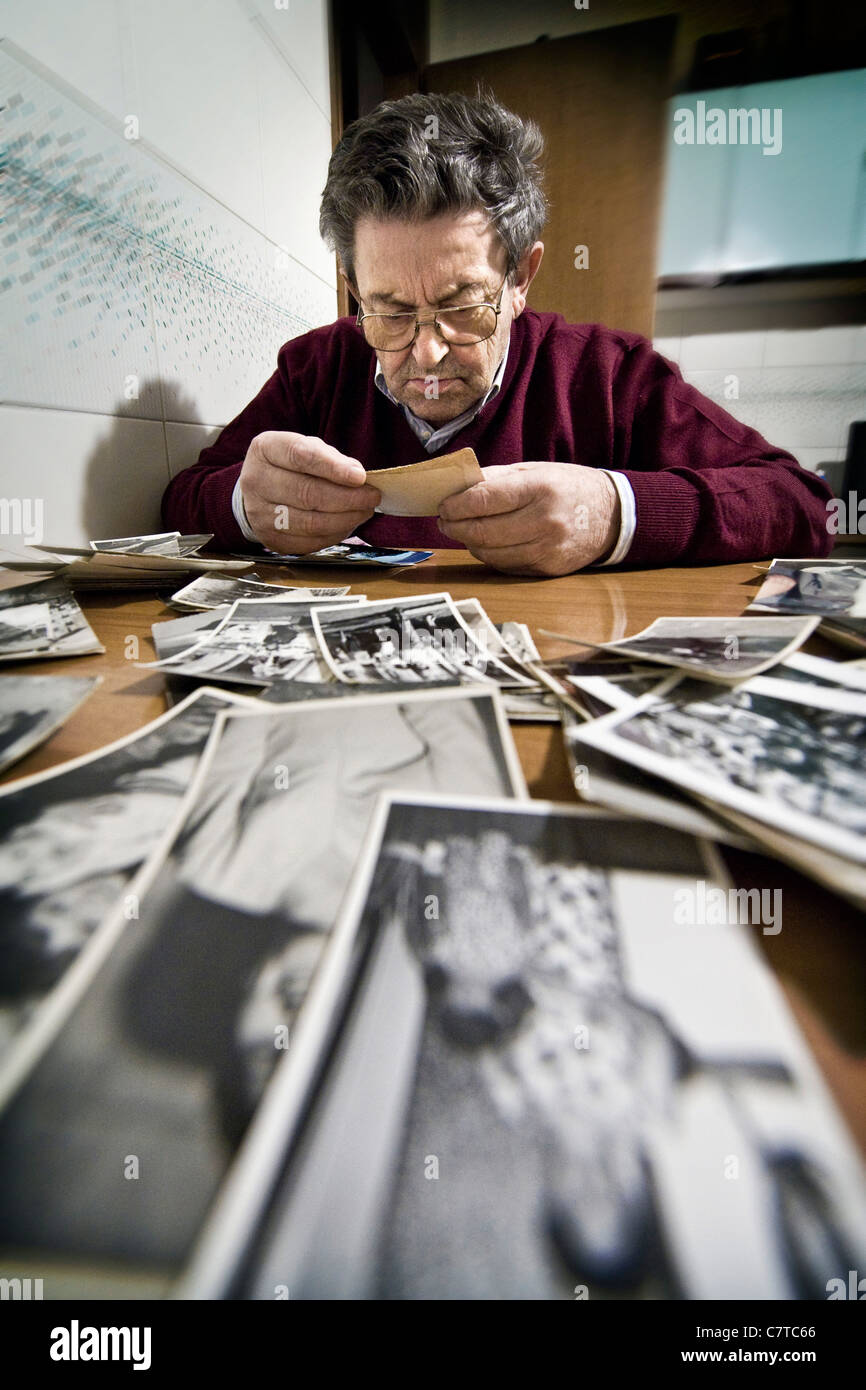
(184, 443)
(800, 388)
(96, 475)
(234, 97)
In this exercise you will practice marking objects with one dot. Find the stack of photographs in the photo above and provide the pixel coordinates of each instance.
(43, 620)
(129, 1087)
(526, 1060)
(833, 589)
(348, 642)
(129, 562)
(410, 641)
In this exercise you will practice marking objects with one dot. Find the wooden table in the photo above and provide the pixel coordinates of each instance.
(820, 954)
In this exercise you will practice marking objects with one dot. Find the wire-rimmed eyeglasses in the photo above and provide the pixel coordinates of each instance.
(462, 325)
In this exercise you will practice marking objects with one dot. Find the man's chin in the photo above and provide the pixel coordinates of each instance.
(435, 410)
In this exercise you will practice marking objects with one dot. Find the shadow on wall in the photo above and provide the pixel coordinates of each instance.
(148, 440)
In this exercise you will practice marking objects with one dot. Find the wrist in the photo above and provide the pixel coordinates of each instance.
(610, 518)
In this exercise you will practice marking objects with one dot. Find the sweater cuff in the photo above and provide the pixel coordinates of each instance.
(667, 510)
(628, 520)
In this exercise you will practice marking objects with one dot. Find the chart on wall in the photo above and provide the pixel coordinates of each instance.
(124, 287)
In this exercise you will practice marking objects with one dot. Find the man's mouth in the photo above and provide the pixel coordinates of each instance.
(433, 385)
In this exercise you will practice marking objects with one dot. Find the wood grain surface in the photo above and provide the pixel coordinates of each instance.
(820, 954)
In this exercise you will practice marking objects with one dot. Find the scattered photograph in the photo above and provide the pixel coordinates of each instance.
(167, 1049)
(829, 588)
(534, 1059)
(490, 639)
(810, 680)
(210, 591)
(724, 649)
(594, 686)
(606, 781)
(537, 706)
(43, 620)
(409, 641)
(32, 708)
(165, 543)
(180, 634)
(796, 766)
(253, 643)
(71, 839)
(518, 639)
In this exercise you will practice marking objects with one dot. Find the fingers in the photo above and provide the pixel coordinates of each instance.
(294, 532)
(304, 493)
(509, 528)
(301, 494)
(303, 453)
(505, 488)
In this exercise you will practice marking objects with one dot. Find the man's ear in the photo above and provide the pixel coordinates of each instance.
(527, 269)
(348, 281)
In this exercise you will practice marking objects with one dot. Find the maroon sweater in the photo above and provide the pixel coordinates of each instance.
(707, 488)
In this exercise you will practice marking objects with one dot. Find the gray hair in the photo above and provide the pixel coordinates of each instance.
(428, 154)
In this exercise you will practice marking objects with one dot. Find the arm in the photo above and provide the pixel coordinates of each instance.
(200, 497)
(267, 479)
(707, 488)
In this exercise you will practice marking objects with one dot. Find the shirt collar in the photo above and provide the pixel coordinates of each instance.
(430, 434)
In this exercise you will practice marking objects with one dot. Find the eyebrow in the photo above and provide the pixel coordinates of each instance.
(389, 297)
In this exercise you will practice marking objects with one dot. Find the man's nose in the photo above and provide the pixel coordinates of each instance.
(429, 349)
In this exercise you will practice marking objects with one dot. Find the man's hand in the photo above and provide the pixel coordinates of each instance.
(301, 494)
(536, 518)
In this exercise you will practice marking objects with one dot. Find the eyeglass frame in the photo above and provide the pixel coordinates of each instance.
(419, 323)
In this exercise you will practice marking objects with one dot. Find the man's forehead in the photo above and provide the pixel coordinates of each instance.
(443, 289)
(430, 260)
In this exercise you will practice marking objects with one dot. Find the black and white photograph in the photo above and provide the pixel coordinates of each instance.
(522, 1096)
(32, 708)
(43, 620)
(166, 543)
(175, 635)
(603, 780)
(600, 686)
(255, 642)
(827, 587)
(798, 767)
(723, 649)
(210, 591)
(491, 639)
(71, 839)
(410, 641)
(171, 1043)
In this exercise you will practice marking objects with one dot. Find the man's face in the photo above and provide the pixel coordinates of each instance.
(424, 266)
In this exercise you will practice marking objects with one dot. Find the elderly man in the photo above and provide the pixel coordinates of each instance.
(594, 449)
